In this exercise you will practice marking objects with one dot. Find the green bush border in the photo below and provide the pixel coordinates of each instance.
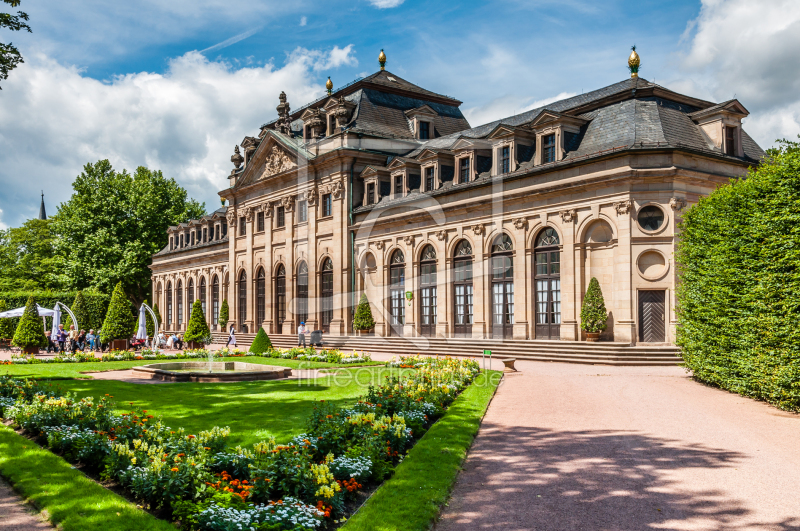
(67, 497)
(412, 498)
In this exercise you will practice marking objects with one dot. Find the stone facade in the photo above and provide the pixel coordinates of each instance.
(495, 231)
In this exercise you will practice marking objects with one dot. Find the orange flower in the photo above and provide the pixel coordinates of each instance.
(174, 469)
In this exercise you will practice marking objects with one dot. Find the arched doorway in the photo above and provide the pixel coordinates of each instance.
(502, 287)
(215, 301)
(326, 291)
(169, 304)
(280, 297)
(261, 301)
(203, 297)
(427, 291)
(547, 284)
(462, 288)
(179, 293)
(397, 282)
(301, 304)
(242, 302)
(190, 295)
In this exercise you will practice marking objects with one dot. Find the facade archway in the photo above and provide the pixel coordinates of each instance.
(261, 301)
(427, 291)
(502, 264)
(326, 292)
(280, 297)
(189, 296)
(169, 304)
(203, 297)
(463, 289)
(179, 293)
(397, 282)
(301, 302)
(215, 301)
(547, 284)
(242, 308)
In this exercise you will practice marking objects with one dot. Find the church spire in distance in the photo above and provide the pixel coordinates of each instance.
(42, 212)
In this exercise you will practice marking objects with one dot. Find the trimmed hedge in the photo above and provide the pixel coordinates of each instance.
(120, 322)
(261, 343)
(363, 320)
(593, 312)
(739, 291)
(30, 332)
(96, 304)
(197, 329)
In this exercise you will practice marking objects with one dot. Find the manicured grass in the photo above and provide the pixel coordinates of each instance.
(70, 499)
(421, 484)
(253, 410)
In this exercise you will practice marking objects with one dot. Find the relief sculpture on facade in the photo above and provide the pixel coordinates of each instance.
(277, 161)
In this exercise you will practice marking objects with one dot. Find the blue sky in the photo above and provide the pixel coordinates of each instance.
(175, 85)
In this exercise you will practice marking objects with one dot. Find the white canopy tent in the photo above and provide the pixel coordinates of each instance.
(141, 331)
(55, 313)
(17, 312)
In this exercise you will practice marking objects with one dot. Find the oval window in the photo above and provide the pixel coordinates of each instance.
(651, 218)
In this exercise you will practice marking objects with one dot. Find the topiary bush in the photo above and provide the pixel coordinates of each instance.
(120, 321)
(261, 343)
(197, 329)
(363, 320)
(7, 327)
(81, 311)
(739, 293)
(223, 315)
(30, 331)
(593, 312)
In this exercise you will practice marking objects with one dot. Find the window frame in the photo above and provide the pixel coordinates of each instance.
(430, 173)
(302, 211)
(424, 130)
(464, 170)
(548, 150)
(280, 217)
(260, 221)
(242, 226)
(326, 204)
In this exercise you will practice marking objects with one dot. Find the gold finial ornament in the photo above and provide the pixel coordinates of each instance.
(382, 60)
(633, 62)
(329, 85)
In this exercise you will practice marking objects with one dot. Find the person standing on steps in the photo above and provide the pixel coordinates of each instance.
(301, 334)
(231, 337)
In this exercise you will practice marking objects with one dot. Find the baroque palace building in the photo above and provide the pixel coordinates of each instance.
(382, 187)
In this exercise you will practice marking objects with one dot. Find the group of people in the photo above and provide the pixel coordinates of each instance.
(174, 340)
(72, 340)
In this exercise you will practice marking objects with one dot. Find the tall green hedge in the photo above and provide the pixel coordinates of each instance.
(120, 321)
(363, 320)
(7, 326)
(81, 311)
(197, 329)
(739, 290)
(593, 311)
(96, 304)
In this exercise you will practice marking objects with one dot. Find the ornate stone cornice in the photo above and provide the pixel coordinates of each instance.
(277, 162)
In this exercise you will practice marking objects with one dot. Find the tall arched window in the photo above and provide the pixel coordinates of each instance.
(502, 287)
(242, 301)
(157, 302)
(215, 300)
(180, 304)
(301, 306)
(261, 294)
(169, 304)
(397, 282)
(326, 283)
(190, 295)
(547, 284)
(280, 296)
(462, 287)
(203, 297)
(427, 289)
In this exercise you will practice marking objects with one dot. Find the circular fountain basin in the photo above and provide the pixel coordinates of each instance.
(225, 371)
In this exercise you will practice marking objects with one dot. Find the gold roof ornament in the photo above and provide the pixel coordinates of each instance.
(329, 86)
(382, 60)
(633, 62)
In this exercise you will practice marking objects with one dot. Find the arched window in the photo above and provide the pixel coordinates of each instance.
(157, 302)
(547, 284)
(301, 309)
(203, 297)
(427, 289)
(462, 287)
(326, 283)
(169, 304)
(502, 287)
(215, 300)
(261, 301)
(180, 304)
(280, 295)
(190, 295)
(242, 301)
(397, 281)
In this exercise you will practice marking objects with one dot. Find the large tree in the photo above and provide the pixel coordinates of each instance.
(27, 256)
(112, 225)
(9, 55)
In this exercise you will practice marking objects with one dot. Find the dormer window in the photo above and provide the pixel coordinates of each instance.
(370, 193)
(548, 148)
(181, 241)
(171, 243)
(424, 130)
(463, 170)
(224, 229)
(205, 234)
(505, 159)
(429, 179)
(216, 232)
(730, 141)
(398, 186)
(192, 238)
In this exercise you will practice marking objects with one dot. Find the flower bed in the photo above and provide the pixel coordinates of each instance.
(198, 480)
(308, 354)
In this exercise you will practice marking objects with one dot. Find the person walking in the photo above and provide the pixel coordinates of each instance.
(231, 337)
(90, 338)
(73, 338)
(301, 334)
(61, 338)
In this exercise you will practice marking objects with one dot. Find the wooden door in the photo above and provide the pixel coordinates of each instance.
(652, 313)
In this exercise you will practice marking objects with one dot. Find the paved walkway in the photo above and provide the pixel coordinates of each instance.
(589, 447)
(15, 515)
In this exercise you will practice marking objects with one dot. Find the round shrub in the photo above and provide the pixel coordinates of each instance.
(261, 343)
(30, 331)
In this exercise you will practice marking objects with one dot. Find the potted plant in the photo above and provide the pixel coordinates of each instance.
(30, 332)
(223, 316)
(197, 330)
(119, 324)
(593, 312)
(261, 344)
(363, 321)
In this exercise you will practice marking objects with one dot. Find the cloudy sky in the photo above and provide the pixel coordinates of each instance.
(175, 85)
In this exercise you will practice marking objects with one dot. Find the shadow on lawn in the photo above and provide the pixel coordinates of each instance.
(536, 479)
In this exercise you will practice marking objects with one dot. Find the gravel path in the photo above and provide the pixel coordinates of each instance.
(15, 515)
(574, 447)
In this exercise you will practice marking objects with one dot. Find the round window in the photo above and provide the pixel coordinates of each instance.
(651, 218)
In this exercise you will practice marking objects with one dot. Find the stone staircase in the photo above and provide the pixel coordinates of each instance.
(601, 353)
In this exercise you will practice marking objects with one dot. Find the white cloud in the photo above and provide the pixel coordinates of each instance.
(507, 106)
(386, 4)
(185, 122)
(748, 50)
(232, 40)
(303, 21)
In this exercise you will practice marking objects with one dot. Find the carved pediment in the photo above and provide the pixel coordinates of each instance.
(277, 161)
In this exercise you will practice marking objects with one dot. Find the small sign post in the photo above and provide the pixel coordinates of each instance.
(487, 353)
